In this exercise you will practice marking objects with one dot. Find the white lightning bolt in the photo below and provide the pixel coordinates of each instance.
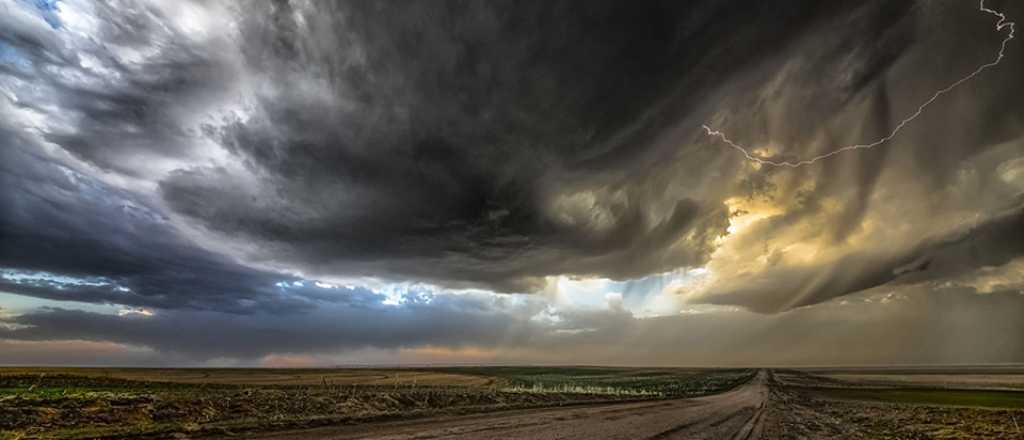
(1000, 25)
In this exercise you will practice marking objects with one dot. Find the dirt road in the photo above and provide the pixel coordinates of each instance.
(733, 415)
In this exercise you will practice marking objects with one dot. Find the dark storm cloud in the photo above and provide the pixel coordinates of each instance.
(131, 112)
(489, 144)
(59, 223)
(897, 214)
(448, 141)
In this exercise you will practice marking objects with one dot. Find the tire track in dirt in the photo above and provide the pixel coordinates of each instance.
(752, 429)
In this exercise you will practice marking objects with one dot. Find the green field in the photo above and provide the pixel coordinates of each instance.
(927, 396)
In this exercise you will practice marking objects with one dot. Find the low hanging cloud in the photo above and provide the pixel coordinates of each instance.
(945, 327)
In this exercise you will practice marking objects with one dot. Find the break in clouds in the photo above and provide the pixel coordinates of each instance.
(190, 181)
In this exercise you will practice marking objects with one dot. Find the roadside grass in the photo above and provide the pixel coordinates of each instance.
(943, 397)
(580, 389)
(664, 382)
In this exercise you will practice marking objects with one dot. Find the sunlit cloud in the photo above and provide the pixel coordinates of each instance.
(134, 311)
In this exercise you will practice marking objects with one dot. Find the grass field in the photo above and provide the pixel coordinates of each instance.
(971, 388)
(266, 376)
(123, 403)
(662, 382)
(889, 403)
(1004, 381)
(945, 397)
(95, 403)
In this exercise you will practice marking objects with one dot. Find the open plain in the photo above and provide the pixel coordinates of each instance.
(508, 403)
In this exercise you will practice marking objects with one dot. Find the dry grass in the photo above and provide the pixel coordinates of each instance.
(279, 376)
(974, 381)
(77, 403)
(852, 406)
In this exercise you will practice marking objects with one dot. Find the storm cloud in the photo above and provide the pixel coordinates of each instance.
(301, 168)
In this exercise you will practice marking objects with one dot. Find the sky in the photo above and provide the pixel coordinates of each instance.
(299, 183)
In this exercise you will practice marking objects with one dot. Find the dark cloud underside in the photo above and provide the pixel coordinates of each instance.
(209, 160)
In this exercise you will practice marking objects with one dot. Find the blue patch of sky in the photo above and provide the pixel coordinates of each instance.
(636, 292)
(14, 58)
(640, 288)
(14, 304)
(51, 279)
(56, 281)
(324, 292)
(48, 9)
(396, 294)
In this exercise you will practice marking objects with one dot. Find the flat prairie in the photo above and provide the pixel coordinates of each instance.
(267, 376)
(520, 402)
(109, 403)
(1007, 381)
